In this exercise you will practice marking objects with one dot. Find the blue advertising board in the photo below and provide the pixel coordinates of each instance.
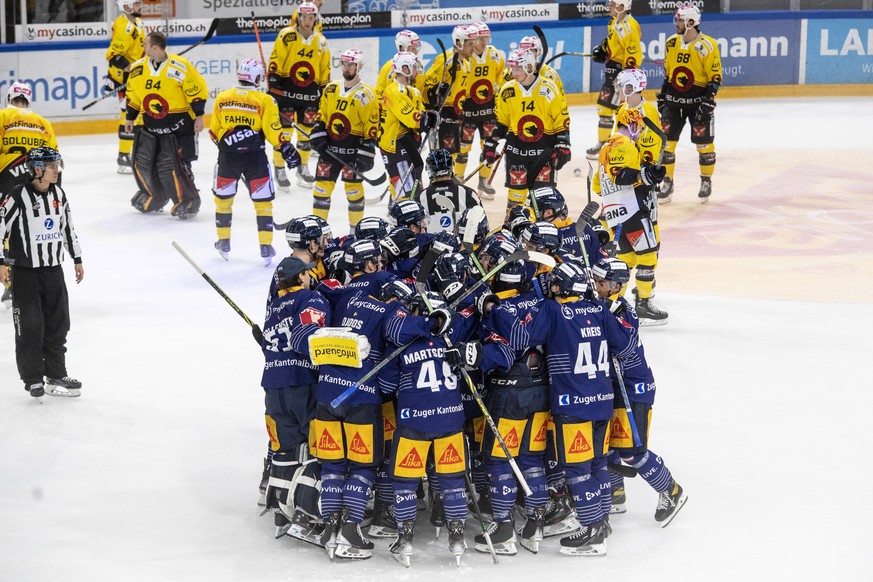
(839, 51)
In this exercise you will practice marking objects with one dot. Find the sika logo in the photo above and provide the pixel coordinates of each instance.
(49, 224)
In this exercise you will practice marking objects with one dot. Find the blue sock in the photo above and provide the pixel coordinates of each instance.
(356, 492)
(653, 470)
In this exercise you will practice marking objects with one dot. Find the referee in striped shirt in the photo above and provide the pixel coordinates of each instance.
(36, 218)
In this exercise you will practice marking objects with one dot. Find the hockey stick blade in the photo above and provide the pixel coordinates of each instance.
(213, 26)
(623, 470)
(567, 54)
(541, 258)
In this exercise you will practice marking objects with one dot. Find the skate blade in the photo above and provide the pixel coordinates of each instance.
(352, 553)
(297, 534)
(330, 547)
(379, 531)
(125, 170)
(403, 560)
(532, 546)
(679, 505)
(644, 322)
(437, 528)
(262, 500)
(505, 549)
(458, 560)
(567, 526)
(282, 530)
(74, 393)
(617, 509)
(593, 550)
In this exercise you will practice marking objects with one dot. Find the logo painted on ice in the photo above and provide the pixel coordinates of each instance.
(404, 413)
(49, 224)
(564, 400)
(445, 221)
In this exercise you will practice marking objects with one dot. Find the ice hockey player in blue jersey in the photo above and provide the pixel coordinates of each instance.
(610, 275)
(579, 337)
(550, 206)
(349, 437)
(289, 381)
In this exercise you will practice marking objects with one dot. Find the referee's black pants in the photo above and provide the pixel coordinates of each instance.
(41, 312)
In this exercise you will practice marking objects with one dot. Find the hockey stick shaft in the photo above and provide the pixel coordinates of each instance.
(627, 407)
(473, 173)
(209, 34)
(545, 43)
(258, 38)
(567, 54)
(214, 285)
(478, 513)
(497, 161)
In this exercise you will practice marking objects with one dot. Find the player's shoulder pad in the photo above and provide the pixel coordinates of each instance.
(179, 62)
(671, 42)
(332, 87)
(364, 94)
(547, 89)
(705, 45)
(136, 69)
(508, 92)
(288, 35)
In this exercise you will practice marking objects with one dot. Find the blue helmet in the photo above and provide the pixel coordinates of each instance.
(611, 269)
(512, 276)
(519, 217)
(408, 213)
(396, 288)
(372, 228)
(549, 198)
(359, 252)
(301, 231)
(446, 242)
(542, 235)
(416, 302)
(570, 278)
(497, 248)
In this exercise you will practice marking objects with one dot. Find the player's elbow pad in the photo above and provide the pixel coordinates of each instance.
(198, 106)
(627, 177)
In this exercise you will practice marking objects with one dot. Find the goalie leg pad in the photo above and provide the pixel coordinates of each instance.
(151, 196)
(175, 175)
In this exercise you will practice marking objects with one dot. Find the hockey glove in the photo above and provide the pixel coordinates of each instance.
(318, 137)
(366, 158)
(289, 154)
(707, 106)
(429, 120)
(489, 151)
(602, 234)
(440, 320)
(562, 154)
(599, 54)
(652, 174)
(398, 243)
(484, 303)
(467, 354)
(437, 94)
(610, 248)
(110, 86)
(613, 68)
(258, 334)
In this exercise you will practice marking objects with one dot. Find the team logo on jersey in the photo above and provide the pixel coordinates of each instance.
(155, 106)
(530, 129)
(517, 176)
(682, 79)
(49, 224)
(563, 400)
(458, 102)
(445, 221)
(567, 312)
(482, 92)
(339, 126)
(302, 74)
(404, 413)
(312, 315)
(640, 388)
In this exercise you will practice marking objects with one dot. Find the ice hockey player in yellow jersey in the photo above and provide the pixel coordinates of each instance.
(406, 41)
(243, 120)
(125, 48)
(21, 130)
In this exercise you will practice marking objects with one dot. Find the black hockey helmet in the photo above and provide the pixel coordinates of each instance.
(396, 288)
(570, 278)
(408, 213)
(371, 228)
(542, 235)
(439, 163)
(325, 227)
(39, 157)
(497, 248)
(612, 270)
(359, 252)
(548, 198)
(416, 302)
(446, 242)
(481, 227)
(512, 276)
(301, 231)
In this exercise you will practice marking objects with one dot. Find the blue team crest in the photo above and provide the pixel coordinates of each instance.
(640, 388)
(563, 400)
(445, 221)
(49, 224)
(404, 413)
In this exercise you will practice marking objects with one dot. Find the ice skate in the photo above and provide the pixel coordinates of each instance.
(306, 528)
(281, 179)
(282, 523)
(457, 545)
(383, 525)
(124, 165)
(705, 189)
(328, 539)
(222, 245)
(351, 543)
(669, 504)
(619, 501)
(531, 534)
(665, 193)
(560, 518)
(593, 152)
(649, 314)
(262, 488)
(267, 253)
(486, 190)
(305, 179)
(590, 540)
(36, 390)
(66, 386)
(401, 547)
(437, 513)
(186, 210)
(502, 534)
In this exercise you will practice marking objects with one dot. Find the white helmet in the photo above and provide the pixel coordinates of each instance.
(523, 58)
(125, 6)
(250, 71)
(307, 8)
(532, 43)
(624, 5)
(686, 13)
(463, 33)
(634, 77)
(19, 89)
(483, 30)
(353, 56)
(405, 60)
(406, 39)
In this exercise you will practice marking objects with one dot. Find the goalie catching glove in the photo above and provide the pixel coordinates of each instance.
(467, 354)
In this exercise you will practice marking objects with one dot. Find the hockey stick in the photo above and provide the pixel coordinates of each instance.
(420, 286)
(473, 173)
(567, 54)
(209, 34)
(358, 174)
(516, 256)
(214, 285)
(474, 217)
(478, 513)
(258, 38)
(627, 407)
(545, 44)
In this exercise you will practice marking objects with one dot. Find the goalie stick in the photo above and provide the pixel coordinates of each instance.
(209, 34)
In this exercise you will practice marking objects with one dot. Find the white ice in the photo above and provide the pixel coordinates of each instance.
(762, 411)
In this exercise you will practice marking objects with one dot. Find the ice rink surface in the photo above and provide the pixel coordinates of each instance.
(152, 473)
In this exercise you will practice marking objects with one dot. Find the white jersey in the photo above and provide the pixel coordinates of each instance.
(444, 203)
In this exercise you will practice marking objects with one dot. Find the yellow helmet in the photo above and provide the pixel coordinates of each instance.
(632, 119)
